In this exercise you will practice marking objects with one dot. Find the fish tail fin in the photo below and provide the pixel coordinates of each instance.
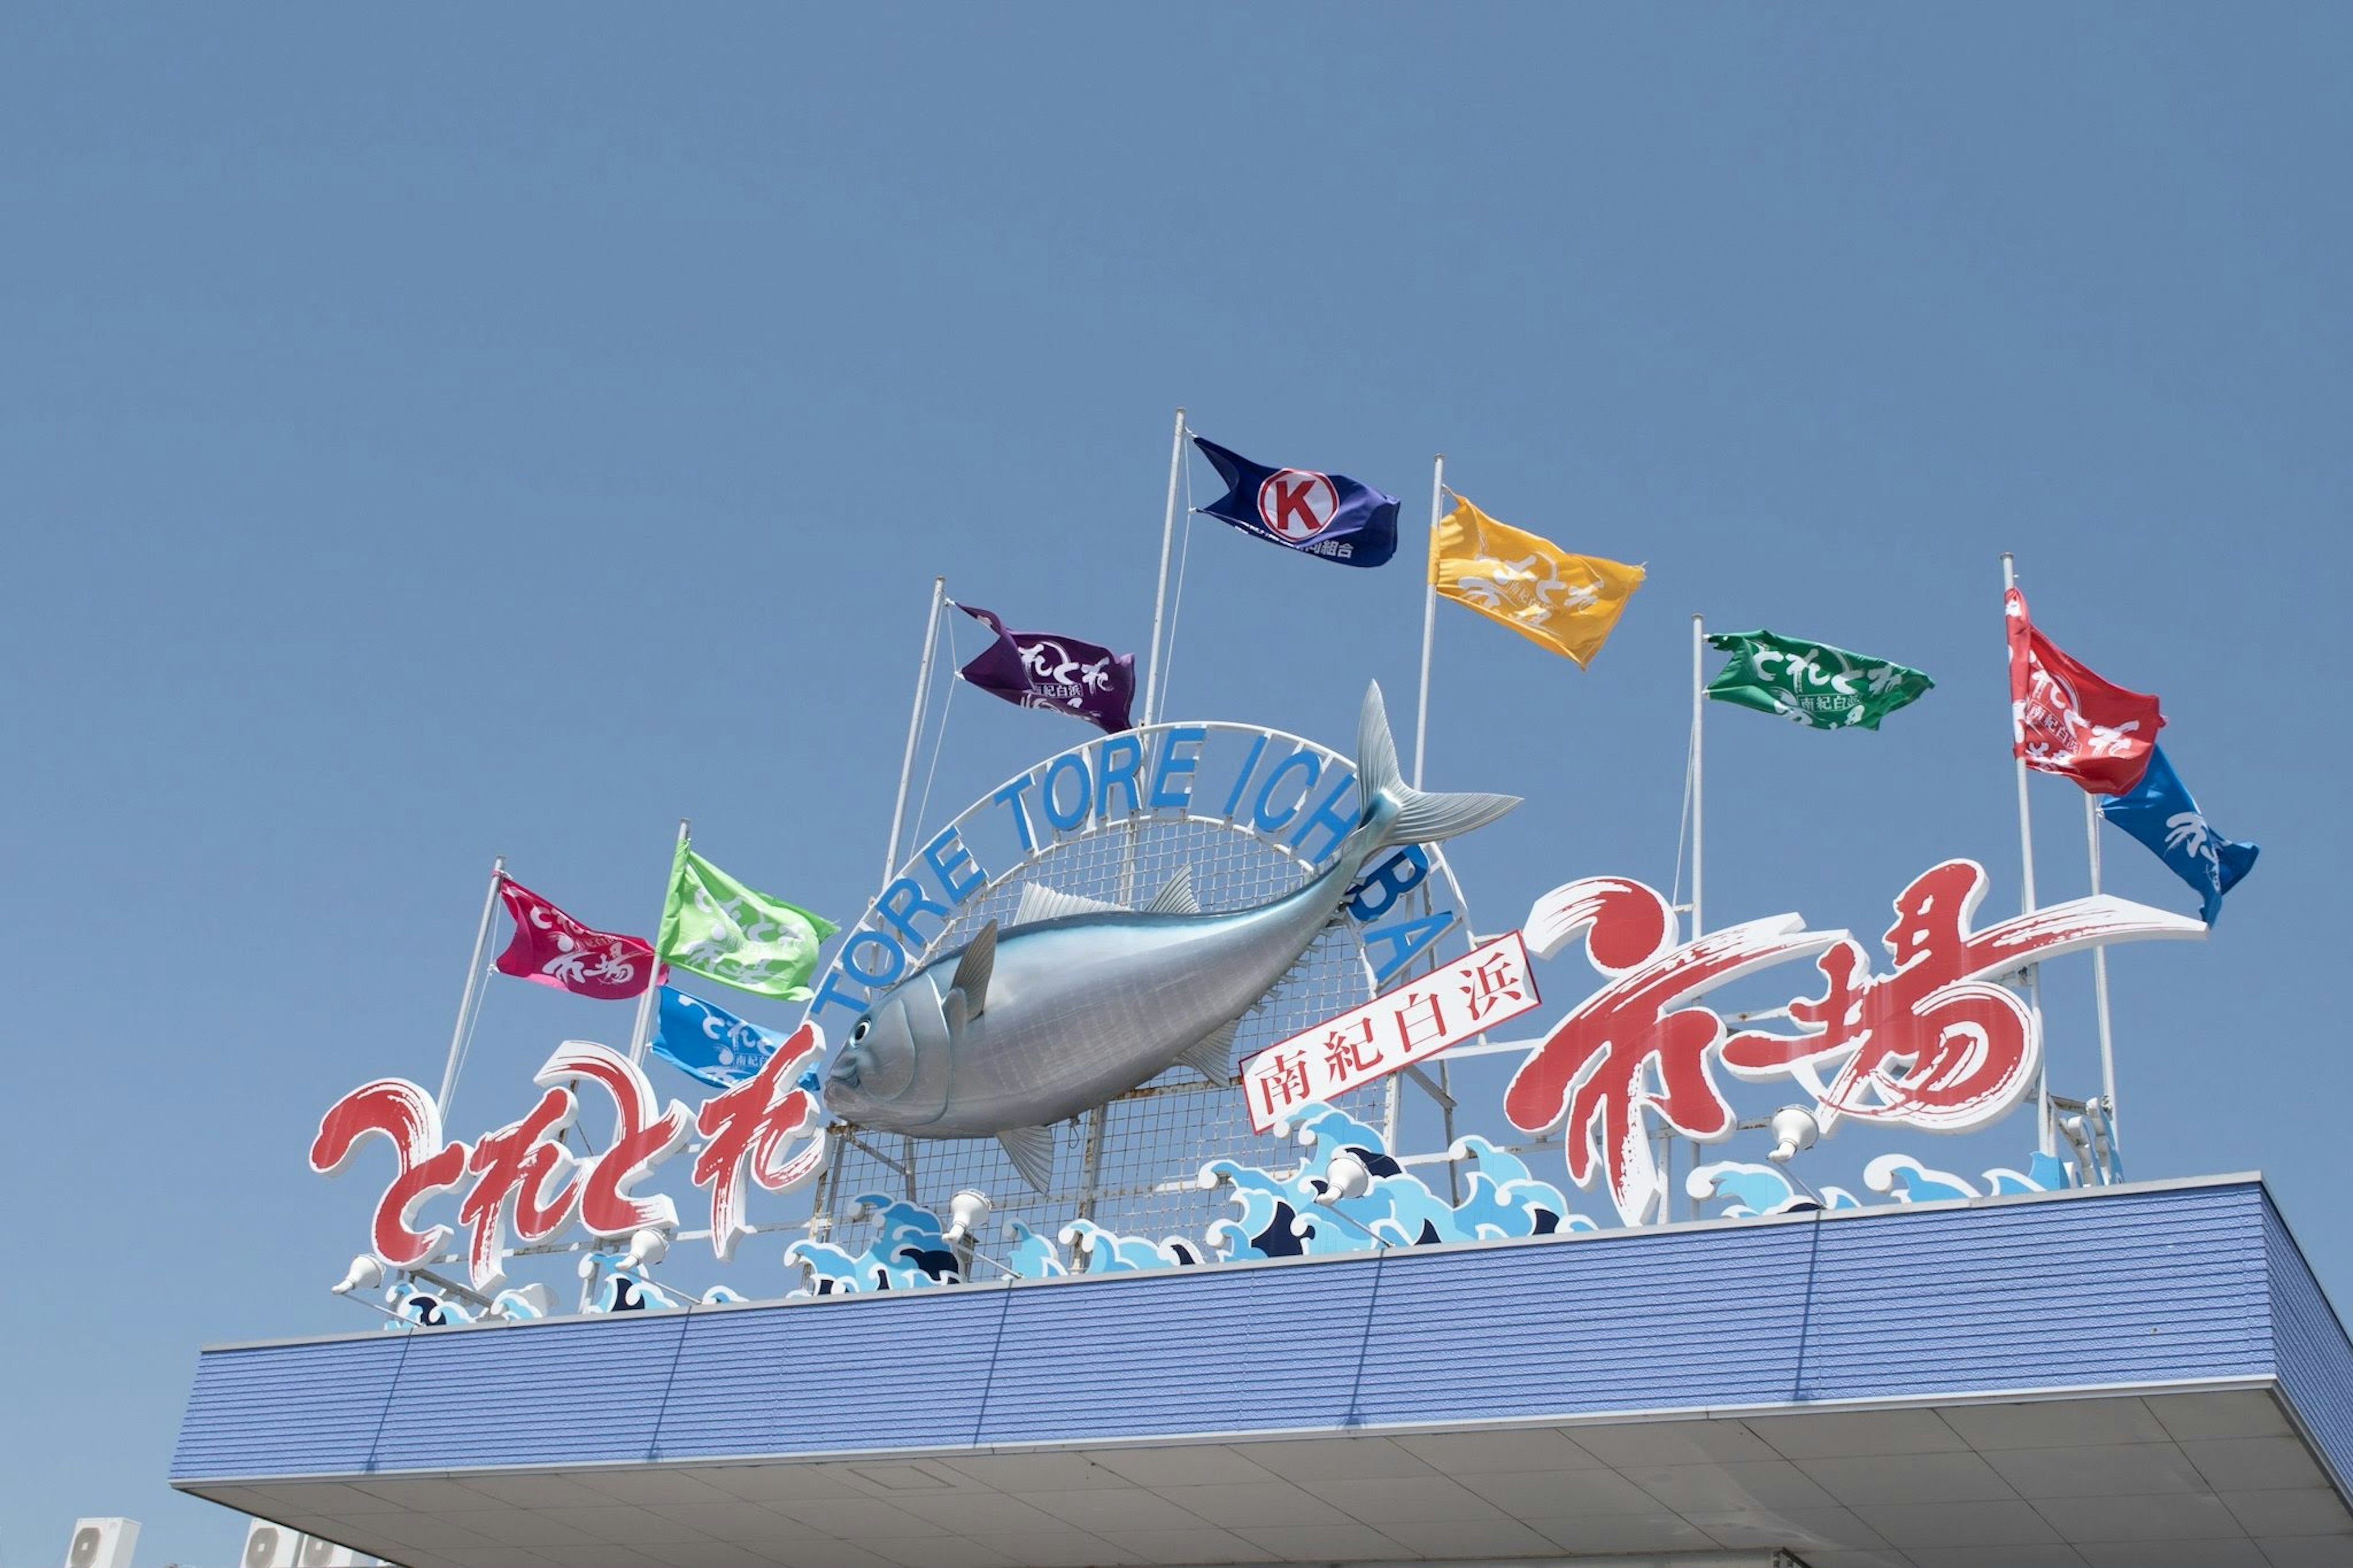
(1422, 816)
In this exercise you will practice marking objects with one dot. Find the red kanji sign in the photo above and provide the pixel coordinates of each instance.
(1934, 1044)
(1594, 1070)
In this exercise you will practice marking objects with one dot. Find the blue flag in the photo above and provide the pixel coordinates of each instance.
(1329, 515)
(709, 1043)
(2160, 814)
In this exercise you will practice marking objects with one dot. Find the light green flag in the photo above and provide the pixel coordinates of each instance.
(716, 927)
(1811, 682)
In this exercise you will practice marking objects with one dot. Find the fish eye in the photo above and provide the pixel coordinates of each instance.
(864, 1028)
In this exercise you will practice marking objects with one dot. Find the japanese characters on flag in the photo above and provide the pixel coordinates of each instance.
(1060, 674)
(2066, 719)
(551, 948)
(1486, 986)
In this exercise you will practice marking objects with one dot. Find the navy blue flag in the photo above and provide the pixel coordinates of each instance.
(1329, 515)
(1033, 669)
(709, 1043)
(2160, 814)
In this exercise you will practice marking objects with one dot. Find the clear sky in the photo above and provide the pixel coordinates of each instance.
(479, 433)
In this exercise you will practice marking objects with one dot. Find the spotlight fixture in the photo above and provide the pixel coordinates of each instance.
(364, 1274)
(1794, 1129)
(967, 1211)
(1346, 1176)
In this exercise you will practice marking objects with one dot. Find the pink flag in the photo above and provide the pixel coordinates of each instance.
(2066, 719)
(552, 949)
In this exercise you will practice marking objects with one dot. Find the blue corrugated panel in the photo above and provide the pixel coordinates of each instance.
(278, 1410)
(2315, 1362)
(532, 1393)
(907, 1371)
(2117, 1288)
(1192, 1352)
(1638, 1323)
(1629, 1322)
(2127, 1287)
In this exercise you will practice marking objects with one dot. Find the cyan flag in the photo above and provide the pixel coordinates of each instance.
(709, 1043)
(2160, 814)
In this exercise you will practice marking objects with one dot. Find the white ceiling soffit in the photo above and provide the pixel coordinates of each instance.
(2218, 1479)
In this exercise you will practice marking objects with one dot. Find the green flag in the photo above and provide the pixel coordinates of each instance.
(1811, 682)
(716, 927)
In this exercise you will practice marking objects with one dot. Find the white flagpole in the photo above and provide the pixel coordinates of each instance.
(1428, 617)
(468, 1000)
(641, 1031)
(2100, 976)
(1160, 595)
(914, 725)
(2045, 1139)
(1699, 708)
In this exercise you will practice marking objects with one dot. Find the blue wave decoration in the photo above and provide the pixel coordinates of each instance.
(1028, 1255)
(1300, 1214)
(1108, 1253)
(1747, 1190)
(420, 1307)
(909, 1251)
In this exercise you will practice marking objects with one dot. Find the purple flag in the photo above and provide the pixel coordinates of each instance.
(1032, 669)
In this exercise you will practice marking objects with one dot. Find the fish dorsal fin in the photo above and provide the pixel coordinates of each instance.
(1212, 1056)
(1032, 1150)
(1039, 902)
(973, 970)
(1177, 897)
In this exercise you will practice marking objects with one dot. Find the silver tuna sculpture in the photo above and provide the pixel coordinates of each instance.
(1076, 1002)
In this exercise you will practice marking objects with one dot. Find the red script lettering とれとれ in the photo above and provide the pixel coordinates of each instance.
(529, 1183)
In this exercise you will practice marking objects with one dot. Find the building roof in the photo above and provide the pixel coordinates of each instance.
(2120, 1371)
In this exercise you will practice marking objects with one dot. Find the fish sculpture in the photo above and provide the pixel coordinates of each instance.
(1076, 1001)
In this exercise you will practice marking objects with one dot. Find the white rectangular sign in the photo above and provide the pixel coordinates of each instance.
(1486, 986)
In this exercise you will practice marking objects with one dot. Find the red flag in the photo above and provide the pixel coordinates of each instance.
(552, 949)
(2066, 719)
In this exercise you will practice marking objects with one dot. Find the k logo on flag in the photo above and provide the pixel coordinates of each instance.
(1314, 513)
(1297, 505)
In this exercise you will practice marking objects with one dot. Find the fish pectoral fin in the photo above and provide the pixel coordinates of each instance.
(1212, 1056)
(973, 970)
(1177, 897)
(1039, 902)
(955, 1011)
(1032, 1150)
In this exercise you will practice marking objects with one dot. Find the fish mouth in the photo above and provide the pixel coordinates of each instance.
(844, 1099)
(844, 1090)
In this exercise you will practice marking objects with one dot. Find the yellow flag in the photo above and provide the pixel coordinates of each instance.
(1565, 603)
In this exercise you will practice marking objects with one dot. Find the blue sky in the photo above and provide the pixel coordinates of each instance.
(508, 433)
